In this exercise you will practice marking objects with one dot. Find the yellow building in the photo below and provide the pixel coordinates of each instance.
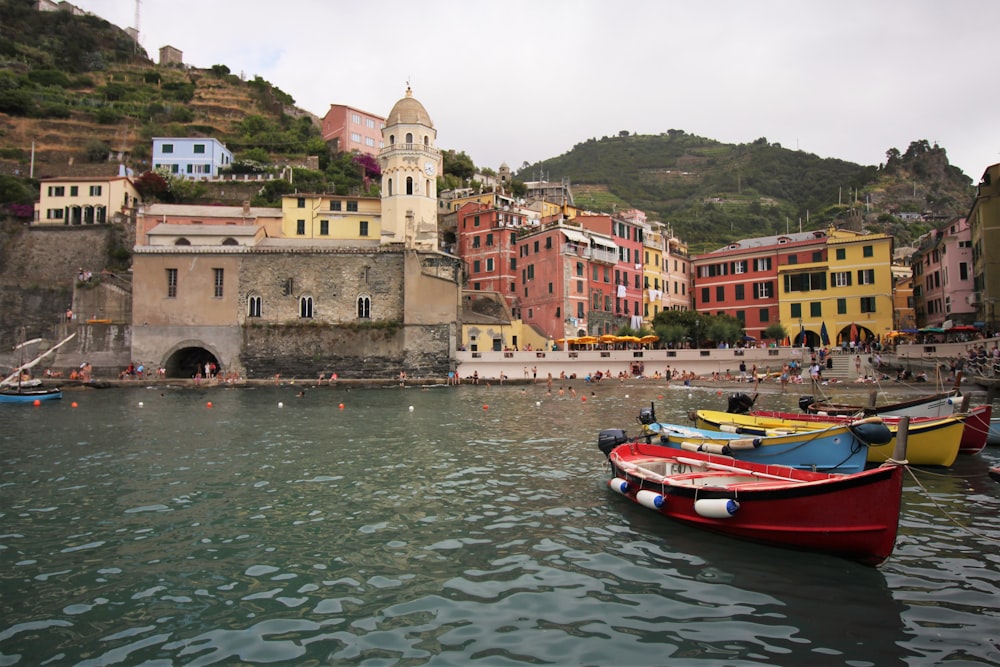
(653, 278)
(325, 217)
(85, 201)
(841, 283)
(984, 221)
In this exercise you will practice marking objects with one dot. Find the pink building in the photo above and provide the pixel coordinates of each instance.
(942, 276)
(350, 129)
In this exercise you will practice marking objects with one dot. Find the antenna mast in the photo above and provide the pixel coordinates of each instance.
(137, 6)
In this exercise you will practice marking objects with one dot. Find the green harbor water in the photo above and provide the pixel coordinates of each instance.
(462, 525)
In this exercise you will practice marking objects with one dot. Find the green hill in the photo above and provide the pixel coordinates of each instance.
(712, 192)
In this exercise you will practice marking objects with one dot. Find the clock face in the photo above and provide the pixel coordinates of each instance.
(429, 168)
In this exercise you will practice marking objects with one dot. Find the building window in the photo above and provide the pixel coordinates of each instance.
(579, 310)
(167, 148)
(815, 309)
(868, 251)
(334, 205)
(706, 294)
(95, 190)
(818, 256)
(765, 315)
(300, 202)
(762, 290)
(364, 307)
(324, 227)
(841, 306)
(475, 242)
(476, 266)
(489, 240)
(409, 184)
(867, 304)
(720, 293)
(489, 264)
(306, 307)
(866, 276)
(841, 254)
(199, 149)
(254, 306)
(57, 191)
(362, 228)
(219, 274)
(796, 310)
(762, 264)
(74, 190)
(300, 227)
(739, 292)
(171, 283)
(352, 206)
(841, 279)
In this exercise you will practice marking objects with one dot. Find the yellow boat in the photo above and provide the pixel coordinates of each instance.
(930, 441)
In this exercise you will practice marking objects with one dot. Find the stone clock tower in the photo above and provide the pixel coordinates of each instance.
(410, 166)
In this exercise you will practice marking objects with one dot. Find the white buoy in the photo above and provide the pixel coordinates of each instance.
(140, 404)
(411, 408)
(626, 395)
(280, 404)
(650, 499)
(537, 403)
(716, 508)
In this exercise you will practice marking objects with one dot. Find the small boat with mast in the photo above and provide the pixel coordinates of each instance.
(16, 389)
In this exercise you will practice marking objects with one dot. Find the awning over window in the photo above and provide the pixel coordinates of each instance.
(605, 243)
(575, 236)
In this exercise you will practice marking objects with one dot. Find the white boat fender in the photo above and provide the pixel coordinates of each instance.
(716, 508)
(650, 499)
(618, 484)
(745, 443)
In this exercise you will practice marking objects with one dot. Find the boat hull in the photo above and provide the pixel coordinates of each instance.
(30, 396)
(930, 442)
(937, 405)
(854, 516)
(834, 448)
(993, 436)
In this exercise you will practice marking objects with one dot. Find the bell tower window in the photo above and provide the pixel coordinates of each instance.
(409, 185)
(409, 137)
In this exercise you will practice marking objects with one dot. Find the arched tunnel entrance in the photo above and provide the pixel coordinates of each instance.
(188, 362)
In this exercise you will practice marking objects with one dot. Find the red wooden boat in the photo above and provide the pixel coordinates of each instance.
(974, 435)
(854, 516)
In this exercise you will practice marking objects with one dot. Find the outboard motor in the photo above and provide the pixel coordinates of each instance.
(610, 438)
(647, 416)
(805, 402)
(739, 403)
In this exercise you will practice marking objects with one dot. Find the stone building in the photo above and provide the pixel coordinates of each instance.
(300, 305)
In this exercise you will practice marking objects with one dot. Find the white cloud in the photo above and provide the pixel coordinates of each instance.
(523, 81)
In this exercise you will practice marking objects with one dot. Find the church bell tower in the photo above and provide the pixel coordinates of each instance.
(410, 166)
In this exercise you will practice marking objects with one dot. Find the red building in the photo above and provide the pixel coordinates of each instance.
(627, 237)
(487, 239)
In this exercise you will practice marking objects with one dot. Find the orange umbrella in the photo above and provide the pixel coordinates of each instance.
(649, 339)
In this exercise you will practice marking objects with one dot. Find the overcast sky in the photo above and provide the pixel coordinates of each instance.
(524, 80)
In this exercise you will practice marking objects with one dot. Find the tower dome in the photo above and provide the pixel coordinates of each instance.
(408, 111)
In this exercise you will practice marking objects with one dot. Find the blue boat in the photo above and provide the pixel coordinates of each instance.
(840, 448)
(25, 395)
